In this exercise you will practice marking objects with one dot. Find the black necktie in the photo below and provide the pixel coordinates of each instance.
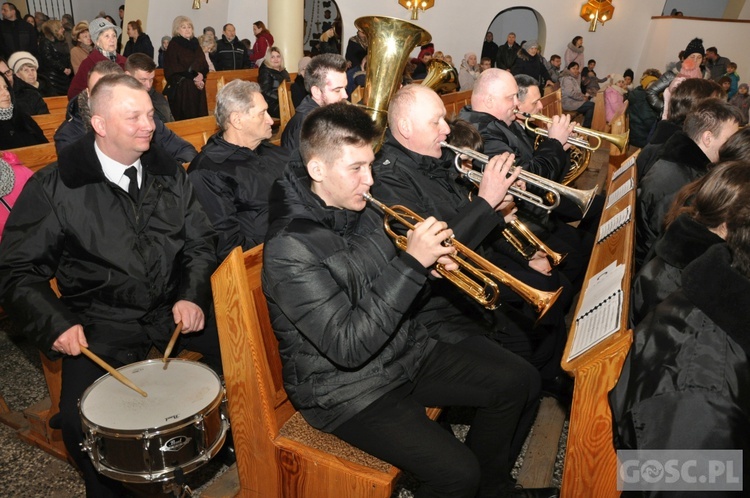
(132, 173)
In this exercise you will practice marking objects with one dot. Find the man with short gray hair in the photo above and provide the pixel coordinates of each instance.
(233, 174)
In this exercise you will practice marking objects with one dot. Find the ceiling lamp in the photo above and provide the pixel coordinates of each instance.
(415, 5)
(597, 11)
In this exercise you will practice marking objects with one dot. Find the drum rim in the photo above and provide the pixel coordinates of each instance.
(150, 431)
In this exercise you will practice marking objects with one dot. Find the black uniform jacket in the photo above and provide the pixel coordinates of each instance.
(233, 184)
(120, 266)
(340, 298)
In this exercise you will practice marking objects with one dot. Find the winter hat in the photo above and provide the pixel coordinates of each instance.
(530, 44)
(18, 59)
(695, 47)
(166, 38)
(426, 49)
(99, 26)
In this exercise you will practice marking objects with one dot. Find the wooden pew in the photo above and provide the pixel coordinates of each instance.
(57, 105)
(213, 78)
(620, 124)
(552, 104)
(590, 459)
(455, 101)
(286, 106)
(599, 121)
(49, 123)
(195, 130)
(35, 157)
(278, 453)
(159, 81)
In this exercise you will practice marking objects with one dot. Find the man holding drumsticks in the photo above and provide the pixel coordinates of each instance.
(116, 222)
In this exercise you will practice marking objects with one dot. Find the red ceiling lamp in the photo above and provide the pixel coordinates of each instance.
(416, 5)
(596, 11)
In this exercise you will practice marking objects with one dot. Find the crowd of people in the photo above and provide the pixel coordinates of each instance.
(370, 332)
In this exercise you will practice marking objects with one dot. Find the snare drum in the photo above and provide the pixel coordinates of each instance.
(180, 425)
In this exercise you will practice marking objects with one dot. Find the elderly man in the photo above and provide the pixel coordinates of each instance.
(411, 170)
(685, 157)
(15, 33)
(233, 174)
(325, 81)
(231, 53)
(104, 36)
(78, 121)
(344, 303)
(116, 222)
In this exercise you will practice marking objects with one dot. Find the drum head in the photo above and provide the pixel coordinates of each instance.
(175, 393)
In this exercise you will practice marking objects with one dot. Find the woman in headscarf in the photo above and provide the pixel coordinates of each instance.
(469, 71)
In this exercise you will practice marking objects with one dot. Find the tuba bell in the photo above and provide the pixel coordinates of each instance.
(441, 77)
(391, 41)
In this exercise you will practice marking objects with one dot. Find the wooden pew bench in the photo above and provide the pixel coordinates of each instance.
(36, 157)
(49, 123)
(590, 459)
(196, 130)
(57, 105)
(278, 453)
(455, 101)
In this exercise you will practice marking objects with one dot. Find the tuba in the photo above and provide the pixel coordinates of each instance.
(441, 77)
(390, 43)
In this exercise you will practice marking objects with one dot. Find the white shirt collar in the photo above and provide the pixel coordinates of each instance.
(115, 172)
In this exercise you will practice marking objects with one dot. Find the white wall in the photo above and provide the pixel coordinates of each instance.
(696, 8)
(87, 10)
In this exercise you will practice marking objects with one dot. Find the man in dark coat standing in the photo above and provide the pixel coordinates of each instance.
(233, 174)
(507, 53)
(489, 47)
(15, 33)
(231, 53)
(116, 222)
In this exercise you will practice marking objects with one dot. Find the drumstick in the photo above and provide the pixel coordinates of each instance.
(175, 335)
(117, 375)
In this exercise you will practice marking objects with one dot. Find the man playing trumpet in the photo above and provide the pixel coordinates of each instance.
(358, 360)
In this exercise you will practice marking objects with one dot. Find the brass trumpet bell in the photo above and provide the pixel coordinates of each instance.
(441, 77)
(619, 140)
(475, 276)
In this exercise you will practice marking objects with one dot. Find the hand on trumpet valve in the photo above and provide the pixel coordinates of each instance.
(498, 176)
(560, 129)
(540, 263)
(427, 243)
(508, 210)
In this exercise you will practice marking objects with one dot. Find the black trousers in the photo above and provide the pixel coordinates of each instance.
(476, 372)
(79, 372)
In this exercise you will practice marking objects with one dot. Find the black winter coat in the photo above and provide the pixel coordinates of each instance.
(681, 161)
(650, 153)
(269, 80)
(642, 117)
(233, 184)
(230, 54)
(183, 60)
(299, 92)
(142, 45)
(16, 36)
(119, 266)
(683, 241)
(74, 128)
(340, 299)
(685, 381)
(531, 66)
(27, 98)
(52, 63)
(548, 160)
(19, 131)
(290, 137)
(506, 56)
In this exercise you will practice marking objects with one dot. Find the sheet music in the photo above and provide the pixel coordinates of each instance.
(614, 223)
(620, 193)
(624, 166)
(600, 311)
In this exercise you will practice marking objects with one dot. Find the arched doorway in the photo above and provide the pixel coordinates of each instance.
(525, 22)
(320, 15)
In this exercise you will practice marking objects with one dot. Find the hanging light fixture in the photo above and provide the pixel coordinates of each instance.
(597, 11)
(415, 5)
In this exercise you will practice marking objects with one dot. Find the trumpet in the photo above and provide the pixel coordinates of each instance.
(581, 198)
(475, 276)
(534, 243)
(619, 140)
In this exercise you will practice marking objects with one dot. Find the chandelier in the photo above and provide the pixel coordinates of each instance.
(415, 5)
(597, 11)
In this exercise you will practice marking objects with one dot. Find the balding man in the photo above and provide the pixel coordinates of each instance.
(116, 222)
(411, 170)
(234, 172)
